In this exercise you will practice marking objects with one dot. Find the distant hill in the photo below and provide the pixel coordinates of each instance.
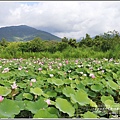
(25, 33)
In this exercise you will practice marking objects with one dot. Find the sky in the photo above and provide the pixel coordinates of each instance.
(71, 19)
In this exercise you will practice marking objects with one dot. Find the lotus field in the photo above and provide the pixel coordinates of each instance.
(59, 88)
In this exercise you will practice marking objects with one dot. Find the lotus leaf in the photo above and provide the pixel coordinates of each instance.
(81, 97)
(36, 91)
(44, 114)
(35, 106)
(89, 114)
(4, 91)
(65, 106)
(97, 87)
(8, 108)
(68, 90)
(113, 85)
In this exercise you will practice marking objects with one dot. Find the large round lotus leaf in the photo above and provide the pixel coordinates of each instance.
(27, 96)
(53, 110)
(36, 91)
(8, 108)
(104, 98)
(113, 85)
(4, 91)
(80, 86)
(51, 93)
(84, 82)
(68, 90)
(89, 114)
(67, 81)
(22, 85)
(19, 97)
(49, 80)
(35, 106)
(97, 87)
(44, 114)
(81, 97)
(92, 94)
(21, 104)
(57, 82)
(64, 106)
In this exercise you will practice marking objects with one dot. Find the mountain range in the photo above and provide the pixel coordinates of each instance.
(25, 33)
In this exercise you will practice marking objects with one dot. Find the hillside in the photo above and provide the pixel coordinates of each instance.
(24, 33)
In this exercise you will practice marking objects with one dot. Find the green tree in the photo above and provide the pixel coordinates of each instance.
(72, 42)
(4, 42)
(36, 45)
(65, 40)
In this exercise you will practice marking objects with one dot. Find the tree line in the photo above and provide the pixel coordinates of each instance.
(105, 42)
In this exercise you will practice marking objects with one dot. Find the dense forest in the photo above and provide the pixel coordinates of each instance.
(106, 45)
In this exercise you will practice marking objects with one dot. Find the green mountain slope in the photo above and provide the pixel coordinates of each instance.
(24, 33)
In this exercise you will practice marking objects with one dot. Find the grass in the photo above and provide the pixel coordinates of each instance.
(67, 53)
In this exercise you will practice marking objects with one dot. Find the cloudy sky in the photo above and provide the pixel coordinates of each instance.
(72, 19)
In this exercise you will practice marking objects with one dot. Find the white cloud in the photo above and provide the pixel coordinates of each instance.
(72, 19)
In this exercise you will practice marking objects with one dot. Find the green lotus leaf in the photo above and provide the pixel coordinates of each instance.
(109, 103)
(68, 90)
(22, 85)
(57, 82)
(73, 85)
(19, 97)
(80, 86)
(93, 104)
(115, 76)
(61, 73)
(27, 96)
(111, 91)
(81, 97)
(92, 94)
(44, 114)
(113, 85)
(8, 108)
(4, 91)
(104, 98)
(115, 107)
(97, 87)
(44, 72)
(118, 82)
(51, 93)
(35, 106)
(89, 114)
(77, 81)
(67, 81)
(53, 110)
(21, 104)
(84, 82)
(36, 91)
(49, 80)
(64, 106)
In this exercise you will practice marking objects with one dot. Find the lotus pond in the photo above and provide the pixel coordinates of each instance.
(59, 88)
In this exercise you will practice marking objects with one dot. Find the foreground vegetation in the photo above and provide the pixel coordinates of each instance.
(59, 88)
